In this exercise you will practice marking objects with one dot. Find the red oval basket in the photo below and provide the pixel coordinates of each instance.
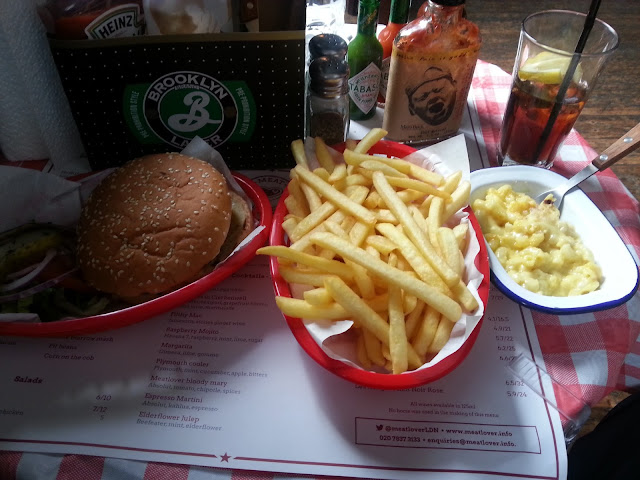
(137, 313)
(383, 381)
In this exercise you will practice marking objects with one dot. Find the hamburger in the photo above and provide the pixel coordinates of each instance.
(157, 223)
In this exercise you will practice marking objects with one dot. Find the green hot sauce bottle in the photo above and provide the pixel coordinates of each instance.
(364, 55)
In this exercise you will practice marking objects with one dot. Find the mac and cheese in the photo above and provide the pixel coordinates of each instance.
(540, 252)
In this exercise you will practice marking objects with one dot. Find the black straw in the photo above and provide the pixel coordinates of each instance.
(566, 81)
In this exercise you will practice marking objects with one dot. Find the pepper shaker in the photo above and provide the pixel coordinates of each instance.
(328, 99)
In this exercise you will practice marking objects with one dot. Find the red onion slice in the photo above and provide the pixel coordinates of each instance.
(12, 297)
(7, 287)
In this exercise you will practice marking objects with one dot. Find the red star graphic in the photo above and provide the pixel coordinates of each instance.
(225, 457)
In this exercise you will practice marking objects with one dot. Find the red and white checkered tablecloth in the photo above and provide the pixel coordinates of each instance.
(592, 354)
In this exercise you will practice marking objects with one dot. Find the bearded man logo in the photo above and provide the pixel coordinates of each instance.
(433, 99)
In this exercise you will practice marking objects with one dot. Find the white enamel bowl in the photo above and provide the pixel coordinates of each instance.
(611, 254)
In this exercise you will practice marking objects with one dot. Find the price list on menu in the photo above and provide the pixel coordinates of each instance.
(222, 382)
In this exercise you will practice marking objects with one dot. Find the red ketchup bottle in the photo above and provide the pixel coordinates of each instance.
(96, 19)
(398, 15)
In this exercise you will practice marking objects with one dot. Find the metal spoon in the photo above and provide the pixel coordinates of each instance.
(617, 150)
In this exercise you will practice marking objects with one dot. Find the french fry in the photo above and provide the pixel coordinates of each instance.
(365, 315)
(317, 296)
(372, 200)
(358, 308)
(409, 283)
(294, 207)
(299, 155)
(380, 243)
(398, 345)
(426, 332)
(418, 185)
(370, 139)
(401, 211)
(442, 335)
(425, 175)
(465, 297)
(360, 275)
(361, 351)
(357, 179)
(297, 308)
(412, 255)
(313, 199)
(312, 220)
(322, 173)
(408, 196)
(356, 159)
(451, 182)
(339, 173)
(449, 248)
(459, 198)
(323, 155)
(378, 166)
(413, 319)
(461, 232)
(358, 233)
(434, 221)
(296, 275)
(386, 216)
(289, 224)
(373, 348)
(296, 192)
(409, 302)
(373, 243)
(335, 197)
(322, 264)
(324, 211)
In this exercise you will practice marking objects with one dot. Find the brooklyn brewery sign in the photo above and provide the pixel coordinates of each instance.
(181, 105)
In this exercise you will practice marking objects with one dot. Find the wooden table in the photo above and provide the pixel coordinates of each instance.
(614, 107)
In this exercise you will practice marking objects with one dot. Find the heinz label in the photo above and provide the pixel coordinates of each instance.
(121, 21)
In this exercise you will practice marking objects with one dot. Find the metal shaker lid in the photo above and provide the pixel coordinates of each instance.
(326, 44)
(329, 76)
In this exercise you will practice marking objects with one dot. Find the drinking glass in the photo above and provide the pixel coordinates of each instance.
(530, 134)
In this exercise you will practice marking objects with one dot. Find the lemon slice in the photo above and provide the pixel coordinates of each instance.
(548, 68)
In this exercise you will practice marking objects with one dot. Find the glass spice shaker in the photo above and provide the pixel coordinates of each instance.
(328, 99)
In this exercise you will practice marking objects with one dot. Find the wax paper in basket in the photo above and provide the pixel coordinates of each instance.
(332, 336)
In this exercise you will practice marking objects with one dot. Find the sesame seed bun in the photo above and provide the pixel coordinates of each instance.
(153, 225)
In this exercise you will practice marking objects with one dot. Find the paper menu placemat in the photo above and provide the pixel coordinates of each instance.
(222, 382)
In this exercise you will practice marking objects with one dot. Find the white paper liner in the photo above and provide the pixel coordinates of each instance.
(334, 337)
(30, 196)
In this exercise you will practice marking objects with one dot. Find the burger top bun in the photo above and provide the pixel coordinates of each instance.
(152, 225)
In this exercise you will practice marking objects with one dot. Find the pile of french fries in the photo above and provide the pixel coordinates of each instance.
(369, 242)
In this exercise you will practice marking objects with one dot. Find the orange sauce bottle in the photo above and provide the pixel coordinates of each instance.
(399, 12)
(432, 65)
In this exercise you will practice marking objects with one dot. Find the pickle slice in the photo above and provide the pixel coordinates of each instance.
(26, 245)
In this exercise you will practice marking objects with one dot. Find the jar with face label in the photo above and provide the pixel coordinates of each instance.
(432, 64)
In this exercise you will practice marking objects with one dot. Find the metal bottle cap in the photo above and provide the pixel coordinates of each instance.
(326, 44)
(329, 76)
(449, 3)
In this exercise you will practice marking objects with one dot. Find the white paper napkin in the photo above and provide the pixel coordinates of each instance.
(35, 117)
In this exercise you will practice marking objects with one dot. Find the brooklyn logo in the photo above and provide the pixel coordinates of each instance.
(180, 105)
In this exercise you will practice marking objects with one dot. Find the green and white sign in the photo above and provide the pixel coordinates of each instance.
(178, 106)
